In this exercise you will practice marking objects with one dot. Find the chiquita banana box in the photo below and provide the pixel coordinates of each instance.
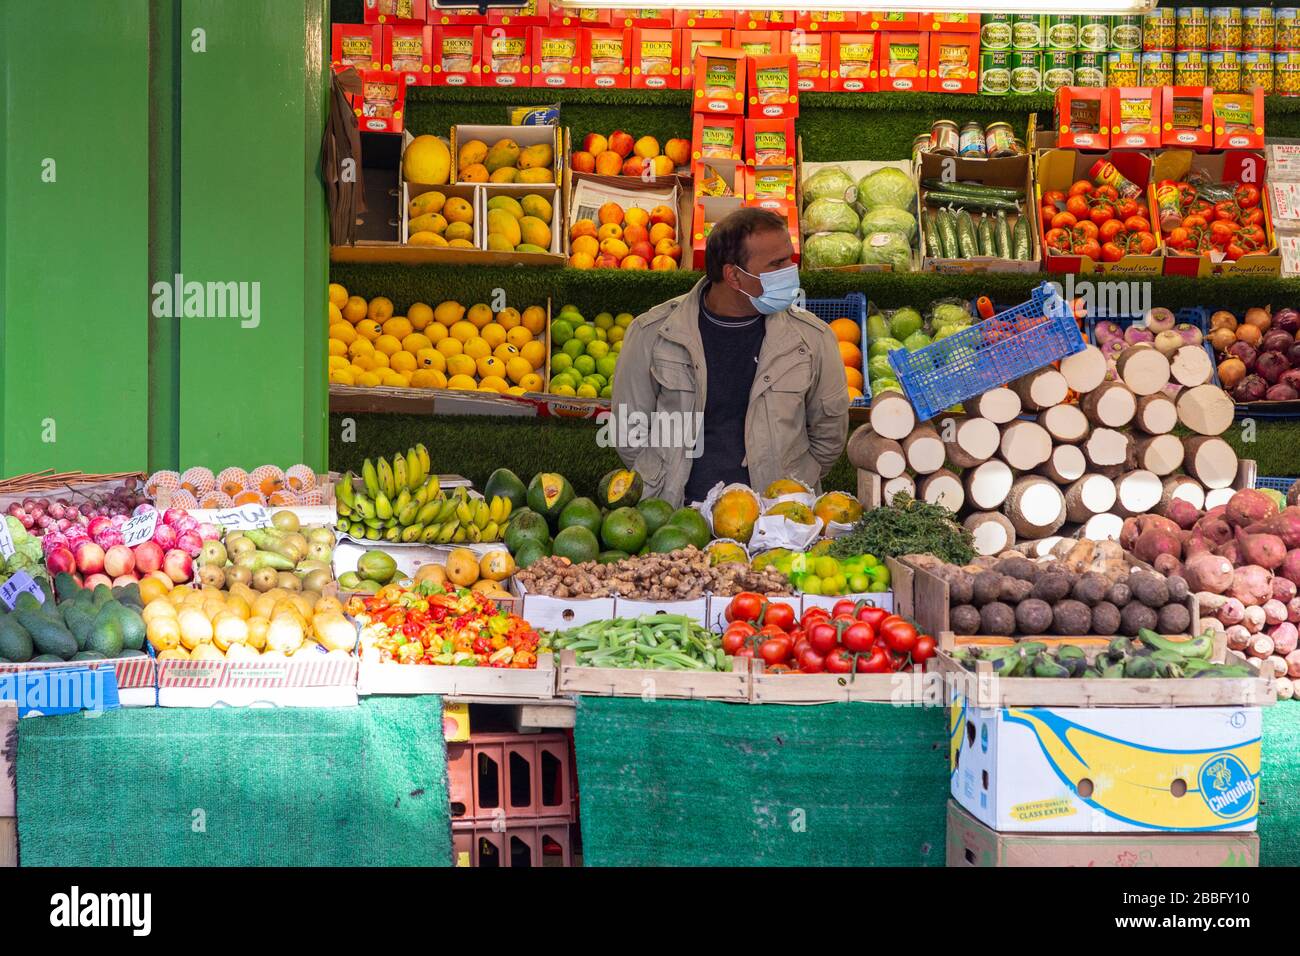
(1106, 770)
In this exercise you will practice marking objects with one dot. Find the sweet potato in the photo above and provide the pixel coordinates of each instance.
(1293, 610)
(1105, 619)
(1154, 542)
(1285, 689)
(1210, 603)
(1247, 507)
(1284, 589)
(1033, 617)
(1238, 637)
(1274, 612)
(1285, 637)
(1254, 620)
(1208, 572)
(1167, 564)
(1196, 543)
(1212, 625)
(1285, 525)
(1183, 513)
(1128, 533)
(1072, 617)
(1214, 530)
(1232, 612)
(1293, 665)
(1266, 550)
(1173, 619)
(1261, 645)
(1274, 666)
(1232, 552)
(1290, 568)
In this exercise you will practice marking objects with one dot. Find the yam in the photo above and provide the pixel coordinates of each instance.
(1085, 370)
(1105, 619)
(1135, 616)
(1160, 454)
(1035, 506)
(1205, 409)
(1178, 588)
(987, 486)
(924, 450)
(1103, 527)
(1066, 465)
(1091, 588)
(999, 405)
(1090, 495)
(1137, 493)
(1014, 590)
(902, 485)
(985, 588)
(1018, 567)
(1033, 617)
(1173, 619)
(991, 532)
(1072, 617)
(1025, 445)
(1182, 488)
(1065, 423)
(964, 619)
(1119, 594)
(1110, 405)
(971, 442)
(1156, 414)
(1052, 586)
(1041, 389)
(892, 416)
(943, 487)
(870, 489)
(1190, 366)
(1211, 460)
(1107, 450)
(1150, 589)
(873, 452)
(961, 585)
(1143, 369)
(998, 619)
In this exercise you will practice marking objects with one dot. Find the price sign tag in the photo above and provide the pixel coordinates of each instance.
(243, 518)
(6, 539)
(140, 528)
(16, 585)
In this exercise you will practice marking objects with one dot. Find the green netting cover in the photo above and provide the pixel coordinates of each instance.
(698, 783)
(1279, 800)
(349, 786)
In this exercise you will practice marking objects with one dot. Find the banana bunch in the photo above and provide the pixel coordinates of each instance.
(403, 504)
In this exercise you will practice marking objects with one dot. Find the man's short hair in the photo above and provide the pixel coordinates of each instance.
(729, 239)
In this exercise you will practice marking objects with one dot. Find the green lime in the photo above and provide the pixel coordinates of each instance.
(811, 584)
(623, 319)
(595, 381)
(587, 391)
(598, 349)
(835, 584)
(575, 347)
(601, 336)
(585, 333)
(560, 361)
(561, 331)
(615, 334)
(604, 320)
(618, 346)
(826, 567)
(607, 391)
(585, 364)
(605, 365)
(859, 583)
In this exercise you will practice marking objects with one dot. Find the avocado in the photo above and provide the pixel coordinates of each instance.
(47, 588)
(693, 524)
(526, 525)
(624, 529)
(88, 656)
(15, 642)
(130, 652)
(80, 620)
(506, 483)
(581, 513)
(132, 628)
(609, 557)
(66, 586)
(620, 488)
(106, 635)
(531, 550)
(47, 636)
(656, 512)
(577, 544)
(27, 602)
(103, 594)
(46, 659)
(668, 538)
(129, 594)
(548, 495)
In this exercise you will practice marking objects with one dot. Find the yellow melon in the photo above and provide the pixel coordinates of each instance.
(427, 161)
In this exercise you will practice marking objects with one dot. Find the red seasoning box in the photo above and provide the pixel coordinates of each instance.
(409, 50)
(719, 81)
(457, 55)
(357, 45)
(557, 57)
(656, 59)
(507, 56)
(812, 53)
(853, 60)
(692, 42)
(773, 86)
(532, 13)
(652, 19)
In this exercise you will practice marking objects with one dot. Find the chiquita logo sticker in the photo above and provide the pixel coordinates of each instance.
(1226, 785)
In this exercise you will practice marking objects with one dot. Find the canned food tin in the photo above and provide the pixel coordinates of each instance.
(1191, 67)
(1122, 68)
(999, 140)
(1026, 71)
(1062, 31)
(1160, 29)
(1058, 70)
(920, 145)
(1225, 71)
(1094, 33)
(1257, 71)
(995, 31)
(1286, 73)
(1090, 68)
(1286, 28)
(944, 138)
(995, 72)
(1225, 28)
(972, 141)
(1257, 28)
(1157, 68)
(1125, 32)
(1193, 28)
(1027, 31)
(1020, 147)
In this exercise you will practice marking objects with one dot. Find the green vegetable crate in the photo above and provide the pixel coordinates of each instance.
(650, 684)
(972, 215)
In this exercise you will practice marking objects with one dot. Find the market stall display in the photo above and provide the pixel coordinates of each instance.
(1258, 357)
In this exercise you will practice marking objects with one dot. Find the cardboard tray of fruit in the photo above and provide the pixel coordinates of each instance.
(522, 682)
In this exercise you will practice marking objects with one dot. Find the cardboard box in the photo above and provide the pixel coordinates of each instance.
(731, 171)
(531, 13)
(971, 844)
(716, 19)
(1239, 120)
(656, 58)
(409, 50)
(854, 62)
(650, 684)
(1134, 118)
(812, 53)
(357, 45)
(457, 16)
(888, 20)
(717, 137)
(708, 210)
(903, 61)
(380, 106)
(1106, 770)
(826, 21)
(1057, 170)
(1233, 166)
(507, 57)
(1012, 172)
(587, 193)
(758, 19)
(457, 56)
(692, 42)
(654, 18)
(452, 681)
(1187, 117)
(73, 686)
(455, 722)
(395, 11)
(950, 22)
(758, 42)
(770, 142)
(697, 609)
(580, 16)
(954, 62)
(523, 135)
(719, 81)
(553, 614)
(773, 83)
(316, 680)
(606, 52)
(557, 57)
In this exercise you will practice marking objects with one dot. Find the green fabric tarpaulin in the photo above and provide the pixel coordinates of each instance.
(348, 786)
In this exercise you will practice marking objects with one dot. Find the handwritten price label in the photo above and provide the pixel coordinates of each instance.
(6, 539)
(16, 585)
(139, 529)
(243, 518)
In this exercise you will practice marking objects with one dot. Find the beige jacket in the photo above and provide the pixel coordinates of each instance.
(798, 406)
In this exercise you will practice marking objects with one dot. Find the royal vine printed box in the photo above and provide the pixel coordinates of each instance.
(1106, 770)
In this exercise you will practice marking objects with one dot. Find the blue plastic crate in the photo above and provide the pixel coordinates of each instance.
(988, 354)
(852, 306)
(1277, 484)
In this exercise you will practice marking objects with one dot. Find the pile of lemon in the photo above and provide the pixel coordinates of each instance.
(446, 346)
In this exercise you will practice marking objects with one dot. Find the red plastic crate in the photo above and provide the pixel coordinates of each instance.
(543, 842)
(520, 776)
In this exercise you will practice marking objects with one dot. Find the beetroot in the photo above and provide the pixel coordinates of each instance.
(1251, 584)
(1232, 612)
(1244, 351)
(1206, 572)
(1290, 568)
(1281, 392)
(1285, 637)
(1276, 341)
(1153, 543)
(1250, 389)
(1247, 507)
(1182, 513)
(1270, 366)
(1284, 589)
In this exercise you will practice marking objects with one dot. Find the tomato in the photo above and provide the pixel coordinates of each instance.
(813, 614)
(1252, 236)
(1178, 238)
(876, 663)
(1247, 196)
(1137, 224)
(800, 646)
(844, 606)
(872, 615)
(1053, 196)
(839, 661)
(736, 636)
(1087, 228)
(775, 650)
(1108, 192)
(1143, 243)
(1221, 232)
(898, 634)
(746, 651)
(1102, 212)
(1064, 220)
(1058, 240)
(924, 649)
(1091, 249)
(779, 614)
(1110, 229)
(1252, 217)
(823, 636)
(745, 606)
(1111, 252)
(1226, 211)
(1125, 208)
(810, 662)
(1047, 214)
(1077, 206)
(859, 637)
(1195, 221)
(1081, 187)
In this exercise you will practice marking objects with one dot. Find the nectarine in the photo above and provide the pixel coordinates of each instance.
(583, 227)
(661, 166)
(647, 147)
(595, 144)
(642, 249)
(616, 248)
(621, 143)
(633, 234)
(662, 263)
(661, 231)
(604, 261)
(636, 216)
(633, 166)
(583, 162)
(666, 247)
(612, 212)
(582, 260)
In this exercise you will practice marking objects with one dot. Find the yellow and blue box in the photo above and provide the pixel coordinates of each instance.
(1106, 770)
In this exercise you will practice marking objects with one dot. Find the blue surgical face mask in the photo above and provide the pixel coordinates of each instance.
(780, 288)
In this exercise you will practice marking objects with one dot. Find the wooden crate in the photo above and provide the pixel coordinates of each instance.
(8, 756)
(985, 690)
(532, 683)
(674, 685)
(896, 688)
(8, 841)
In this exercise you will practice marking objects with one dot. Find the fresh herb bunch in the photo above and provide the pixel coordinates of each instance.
(907, 526)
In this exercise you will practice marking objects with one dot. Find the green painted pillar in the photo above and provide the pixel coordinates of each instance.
(252, 212)
(74, 234)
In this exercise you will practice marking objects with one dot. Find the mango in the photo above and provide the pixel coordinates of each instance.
(474, 151)
(458, 210)
(542, 154)
(427, 160)
(534, 232)
(461, 244)
(506, 174)
(426, 239)
(535, 175)
(510, 204)
(504, 153)
(499, 243)
(535, 205)
(477, 173)
(427, 203)
(430, 222)
(529, 247)
(458, 230)
(502, 223)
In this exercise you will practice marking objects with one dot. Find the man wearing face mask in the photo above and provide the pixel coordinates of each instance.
(765, 375)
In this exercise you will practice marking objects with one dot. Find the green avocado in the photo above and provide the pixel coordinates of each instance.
(506, 483)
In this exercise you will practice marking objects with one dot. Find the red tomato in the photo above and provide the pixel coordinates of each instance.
(1137, 224)
(813, 614)
(1047, 214)
(1063, 220)
(1111, 252)
(872, 615)
(1108, 192)
(859, 637)
(1102, 212)
(1091, 249)
(810, 662)
(924, 649)
(823, 636)
(844, 606)
(1247, 196)
(779, 614)
(1087, 228)
(1178, 238)
(745, 606)
(1081, 187)
(1125, 208)
(1226, 210)
(746, 651)
(775, 650)
(1110, 229)
(1053, 196)
(1143, 243)
(1058, 240)
(1221, 232)
(800, 646)
(1252, 217)
(736, 635)
(1252, 237)
(898, 634)
(877, 662)
(839, 661)
(1077, 206)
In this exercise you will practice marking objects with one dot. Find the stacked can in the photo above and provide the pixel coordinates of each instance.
(995, 53)
(1028, 40)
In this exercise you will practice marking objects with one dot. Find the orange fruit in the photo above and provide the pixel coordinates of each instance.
(846, 330)
(851, 355)
(854, 378)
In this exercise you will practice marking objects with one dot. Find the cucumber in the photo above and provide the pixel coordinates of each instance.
(966, 242)
(1021, 244)
(947, 228)
(988, 245)
(929, 241)
(967, 201)
(974, 189)
(1003, 236)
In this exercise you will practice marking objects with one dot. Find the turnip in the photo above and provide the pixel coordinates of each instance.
(1232, 612)
(1251, 584)
(1206, 572)
(1168, 342)
(1108, 331)
(1238, 637)
(1134, 335)
(1248, 507)
(1287, 320)
(1285, 637)
(1160, 319)
(1252, 388)
(1261, 646)
(1190, 333)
